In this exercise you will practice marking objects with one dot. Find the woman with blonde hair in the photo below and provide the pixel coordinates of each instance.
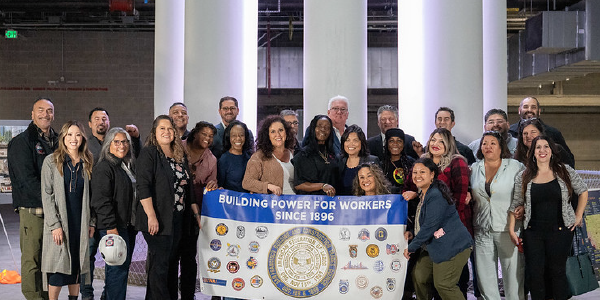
(66, 203)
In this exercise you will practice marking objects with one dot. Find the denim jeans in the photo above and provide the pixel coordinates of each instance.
(115, 282)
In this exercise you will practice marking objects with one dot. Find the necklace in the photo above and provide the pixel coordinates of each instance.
(398, 173)
(323, 156)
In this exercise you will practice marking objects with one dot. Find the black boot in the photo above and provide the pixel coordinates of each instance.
(73, 297)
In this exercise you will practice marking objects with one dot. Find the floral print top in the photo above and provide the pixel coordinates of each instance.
(181, 181)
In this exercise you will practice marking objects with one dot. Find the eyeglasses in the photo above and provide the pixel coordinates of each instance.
(119, 143)
(294, 123)
(230, 108)
(492, 122)
(340, 109)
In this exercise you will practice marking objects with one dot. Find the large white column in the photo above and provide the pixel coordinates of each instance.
(335, 57)
(440, 64)
(221, 58)
(495, 89)
(168, 54)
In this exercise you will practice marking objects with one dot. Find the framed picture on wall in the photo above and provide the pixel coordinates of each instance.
(8, 130)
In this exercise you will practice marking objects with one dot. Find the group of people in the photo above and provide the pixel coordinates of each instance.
(481, 202)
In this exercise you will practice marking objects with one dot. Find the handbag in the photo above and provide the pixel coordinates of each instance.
(580, 273)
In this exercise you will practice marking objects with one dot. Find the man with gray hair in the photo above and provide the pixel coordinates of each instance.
(387, 118)
(337, 111)
(291, 118)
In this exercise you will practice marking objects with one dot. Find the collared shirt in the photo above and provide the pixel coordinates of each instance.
(45, 136)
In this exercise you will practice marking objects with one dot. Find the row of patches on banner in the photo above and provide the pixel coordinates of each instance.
(300, 260)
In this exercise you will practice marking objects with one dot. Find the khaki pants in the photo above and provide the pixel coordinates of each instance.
(31, 230)
(444, 276)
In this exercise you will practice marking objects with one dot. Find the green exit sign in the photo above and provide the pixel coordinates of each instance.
(10, 34)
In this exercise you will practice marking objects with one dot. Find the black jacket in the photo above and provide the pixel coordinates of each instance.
(552, 133)
(112, 196)
(26, 153)
(154, 179)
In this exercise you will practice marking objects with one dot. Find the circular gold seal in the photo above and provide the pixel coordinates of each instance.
(302, 262)
(372, 250)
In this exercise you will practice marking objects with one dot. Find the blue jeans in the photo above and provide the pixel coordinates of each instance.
(115, 282)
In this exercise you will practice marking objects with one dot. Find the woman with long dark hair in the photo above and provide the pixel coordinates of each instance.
(315, 166)
(545, 187)
(270, 169)
(530, 129)
(370, 181)
(113, 183)
(355, 152)
(166, 205)
(238, 148)
(66, 203)
(441, 241)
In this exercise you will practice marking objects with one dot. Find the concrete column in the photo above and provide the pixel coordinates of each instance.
(335, 57)
(220, 58)
(495, 55)
(440, 64)
(168, 54)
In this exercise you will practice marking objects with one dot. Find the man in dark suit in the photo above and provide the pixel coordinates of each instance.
(387, 117)
(530, 108)
(228, 110)
(444, 118)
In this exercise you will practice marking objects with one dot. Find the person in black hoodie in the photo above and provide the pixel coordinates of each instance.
(113, 183)
(26, 153)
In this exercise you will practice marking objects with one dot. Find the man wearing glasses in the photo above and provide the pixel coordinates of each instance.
(228, 110)
(496, 120)
(387, 118)
(530, 108)
(291, 118)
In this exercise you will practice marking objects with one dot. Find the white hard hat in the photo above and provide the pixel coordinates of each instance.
(113, 249)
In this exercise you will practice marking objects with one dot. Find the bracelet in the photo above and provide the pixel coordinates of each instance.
(324, 184)
(196, 214)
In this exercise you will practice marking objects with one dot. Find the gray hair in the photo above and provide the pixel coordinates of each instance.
(110, 136)
(389, 108)
(338, 98)
(288, 112)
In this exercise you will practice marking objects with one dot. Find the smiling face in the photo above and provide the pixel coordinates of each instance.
(395, 145)
(277, 134)
(490, 147)
(387, 120)
(322, 130)
(436, 145)
(543, 152)
(42, 114)
(228, 111)
(99, 123)
(165, 133)
(180, 117)
(529, 109)
(422, 176)
(338, 113)
(73, 139)
(204, 138)
(119, 146)
(352, 145)
(366, 179)
(443, 119)
(496, 122)
(292, 121)
(530, 132)
(237, 137)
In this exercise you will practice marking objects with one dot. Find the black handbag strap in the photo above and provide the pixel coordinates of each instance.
(579, 242)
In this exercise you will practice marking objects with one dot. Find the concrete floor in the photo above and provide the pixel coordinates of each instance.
(13, 291)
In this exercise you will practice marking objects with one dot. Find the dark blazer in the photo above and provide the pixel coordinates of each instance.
(113, 194)
(376, 146)
(436, 213)
(155, 180)
(26, 153)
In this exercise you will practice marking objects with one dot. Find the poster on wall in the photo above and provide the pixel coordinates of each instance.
(592, 228)
(302, 246)
(8, 130)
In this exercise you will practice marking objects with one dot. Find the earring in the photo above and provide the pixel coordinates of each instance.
(534, 160)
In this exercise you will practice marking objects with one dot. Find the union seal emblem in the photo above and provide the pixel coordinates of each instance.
(241, 232)
(262, 232)
(302, 262)
(362, 282)
(221, 229)
(381, 234)
(344, 286)
(254, 247)
(376, 292)
(215, 245)
(395, 265)
(373, 250)
(391, 284)
(251, 263)
(238, 284)
(233, 250)
(256, 281)
(233, 267)
(363, 234)
(352, 250)
(378, 266)
(344, 234)
(214, 264)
